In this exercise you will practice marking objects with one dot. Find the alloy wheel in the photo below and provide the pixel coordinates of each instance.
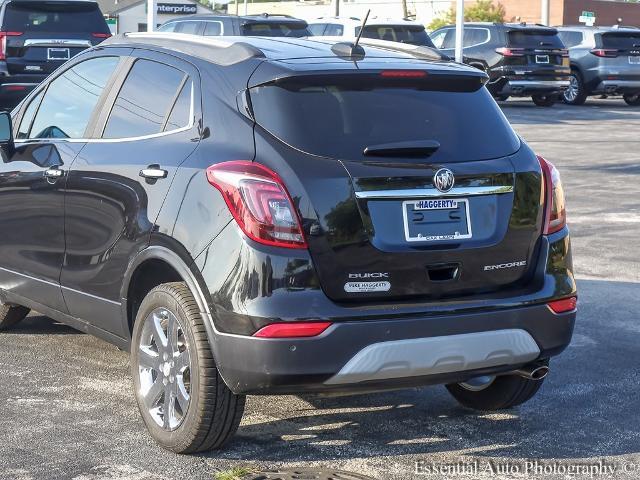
(571, 93)
(164, 369)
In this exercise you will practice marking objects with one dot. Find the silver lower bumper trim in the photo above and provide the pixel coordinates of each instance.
(628, 84)
(438, 355)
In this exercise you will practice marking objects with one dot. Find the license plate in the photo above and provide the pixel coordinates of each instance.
(542, 58)
(436, 220)
(634, 60)
(58, 54)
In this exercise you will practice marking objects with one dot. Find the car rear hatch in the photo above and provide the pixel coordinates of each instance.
(378, 227)
(37, 37)
(535, 53)
(620, 51)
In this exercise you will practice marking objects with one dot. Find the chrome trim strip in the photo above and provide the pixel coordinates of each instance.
(127, 139)
(432, 192)
(545, 83)
(54, 42)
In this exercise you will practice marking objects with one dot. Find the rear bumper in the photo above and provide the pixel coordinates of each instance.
(613, 87)
(387, 354)
(377, 347)
(529, 87)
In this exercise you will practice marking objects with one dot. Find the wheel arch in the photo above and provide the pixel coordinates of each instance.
(166, 266)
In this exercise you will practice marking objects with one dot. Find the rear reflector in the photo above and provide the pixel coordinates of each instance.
(403, 74)
(14, 88)
(101, 35)
(564, 305)
(292, 330)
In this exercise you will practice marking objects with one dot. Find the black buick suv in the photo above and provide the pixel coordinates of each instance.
(520, 59)
(272, 216)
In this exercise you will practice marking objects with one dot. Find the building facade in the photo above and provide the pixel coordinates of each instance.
(131, 16)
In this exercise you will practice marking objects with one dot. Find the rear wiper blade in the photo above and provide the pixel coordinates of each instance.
(420, 148)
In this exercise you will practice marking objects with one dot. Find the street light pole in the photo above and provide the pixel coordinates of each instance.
(544, 14)
(151, 15)
(459, 29)
(336, 7)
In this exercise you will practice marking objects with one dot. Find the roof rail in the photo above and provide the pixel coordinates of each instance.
(216, 50)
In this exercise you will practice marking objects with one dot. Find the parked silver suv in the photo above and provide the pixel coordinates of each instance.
(604, 61)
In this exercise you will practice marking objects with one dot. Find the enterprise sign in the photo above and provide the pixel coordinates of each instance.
(177, 8)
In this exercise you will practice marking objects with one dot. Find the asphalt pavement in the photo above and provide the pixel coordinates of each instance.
(67, 409)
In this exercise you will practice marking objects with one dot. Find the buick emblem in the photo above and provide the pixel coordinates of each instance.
(443, 180)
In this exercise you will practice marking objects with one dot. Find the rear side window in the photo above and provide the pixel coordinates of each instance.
(570, 39)
(188, 27)
(212, 29)
(317, 28)
(167, 27)
(274, 29)
(366, 112)
(621, 40)
(334, 30)
(181, 111)
(144, 100)
(54, 17)
(71, 98)
(534, 38)
(414, 35)
(475, 36)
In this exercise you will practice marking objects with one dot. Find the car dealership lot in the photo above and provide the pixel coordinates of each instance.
(67, 409)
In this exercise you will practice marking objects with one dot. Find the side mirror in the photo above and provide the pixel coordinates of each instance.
(6, 133)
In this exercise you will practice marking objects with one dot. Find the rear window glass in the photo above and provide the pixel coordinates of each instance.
(273, 29)
(58, 17)
(621, 41)
(534, 38)
(414, 35)
(468, 125)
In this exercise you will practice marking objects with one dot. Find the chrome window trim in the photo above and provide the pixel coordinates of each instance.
(189, 126)
(432, 192)
(53, 42)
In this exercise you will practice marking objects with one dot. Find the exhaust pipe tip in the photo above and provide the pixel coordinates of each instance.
(533, 372)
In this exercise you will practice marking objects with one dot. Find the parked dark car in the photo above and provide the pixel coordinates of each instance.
(271, 216)
(604, 61)
(213, 25)
(37, 36)
(520, 59)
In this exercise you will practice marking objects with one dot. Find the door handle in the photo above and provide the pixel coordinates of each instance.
(53, 173)
(153, 172)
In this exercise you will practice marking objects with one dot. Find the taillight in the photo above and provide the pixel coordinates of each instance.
(292, 330)
(101, 35)
(510, 52)
(564, 305)
(605, 52)
(3, 42)
(259, 202)
(555, 217)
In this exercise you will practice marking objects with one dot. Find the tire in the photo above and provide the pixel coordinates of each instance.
(545, 100)
(632, 99)
(502, 98)
(205, 414)
(504, 391)
(576, 94)
(11, 314)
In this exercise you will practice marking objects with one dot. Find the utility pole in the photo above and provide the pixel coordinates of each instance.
(246, 6)
(151, 15)
(544, 14)
(405, 10)
(459, 29)
(336, 8)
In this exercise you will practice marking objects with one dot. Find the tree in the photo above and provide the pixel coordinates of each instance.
(481, 11)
